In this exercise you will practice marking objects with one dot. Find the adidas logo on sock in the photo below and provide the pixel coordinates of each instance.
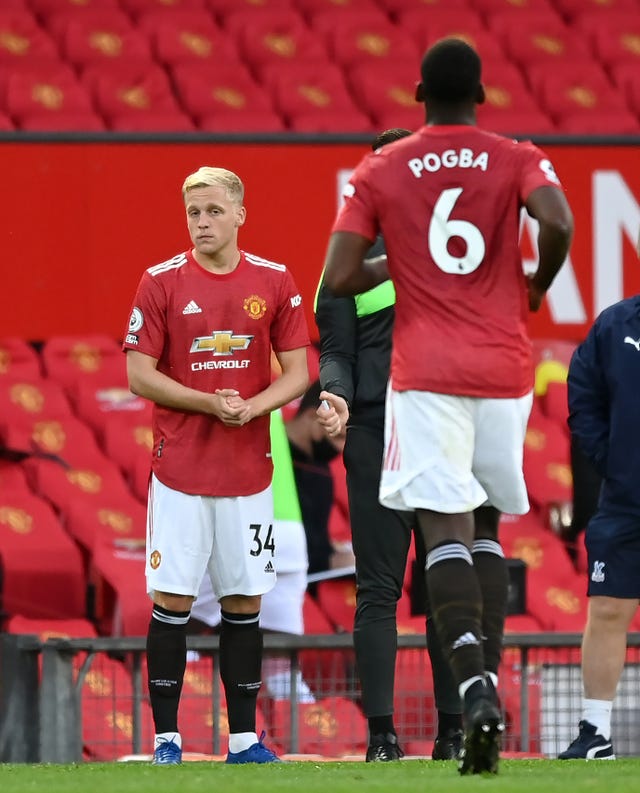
(268, 568)
(192, 308)
(466, 638)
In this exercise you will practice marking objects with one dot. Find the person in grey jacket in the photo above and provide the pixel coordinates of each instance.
(604, 387)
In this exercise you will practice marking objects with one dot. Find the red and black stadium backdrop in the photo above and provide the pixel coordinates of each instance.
(80, 222)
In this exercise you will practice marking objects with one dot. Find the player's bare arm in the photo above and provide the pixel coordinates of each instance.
(550, 208)
(347, 272)
(334, 417)
(146, 381)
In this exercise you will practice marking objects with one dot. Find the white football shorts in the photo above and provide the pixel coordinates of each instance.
(452, 454)
(281, 608)
(230, 538)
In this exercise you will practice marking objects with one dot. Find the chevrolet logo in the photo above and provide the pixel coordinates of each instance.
(221, 342)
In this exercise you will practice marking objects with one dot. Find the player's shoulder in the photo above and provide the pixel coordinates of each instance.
(169, 266)
(518, 148)
(265, 265)
(621, 311)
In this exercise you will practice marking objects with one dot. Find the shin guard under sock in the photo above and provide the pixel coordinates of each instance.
(240, 668)
(166, 661)
(493, 577)
(456, 607)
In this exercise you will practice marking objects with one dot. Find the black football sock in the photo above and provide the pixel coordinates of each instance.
(449, 721)
(240, 668)
(493, 577)
(381, 725)
(456, 606)
(166, 661)
(445, 688)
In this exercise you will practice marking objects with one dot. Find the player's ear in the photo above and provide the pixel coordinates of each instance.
(481, 95)
(420, 96)
(241, 216)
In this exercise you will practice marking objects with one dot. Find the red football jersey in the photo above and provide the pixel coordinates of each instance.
(447, 201)
(211, 331)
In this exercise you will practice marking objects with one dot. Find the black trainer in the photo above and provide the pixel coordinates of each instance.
(483, 730)
(383, 748)
(448, 746)
(589, 745)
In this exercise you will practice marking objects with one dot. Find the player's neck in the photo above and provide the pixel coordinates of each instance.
(451, 115)
(221, 263)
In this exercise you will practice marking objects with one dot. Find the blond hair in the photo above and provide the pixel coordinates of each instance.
(207, 176)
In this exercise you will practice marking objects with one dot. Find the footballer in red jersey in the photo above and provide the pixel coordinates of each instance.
(212, 331)
(447, 201)
(201, 333)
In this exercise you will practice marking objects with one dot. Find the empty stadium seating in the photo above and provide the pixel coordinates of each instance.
(232, 34)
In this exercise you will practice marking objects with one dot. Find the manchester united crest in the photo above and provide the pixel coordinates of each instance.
(155, 559)
(255, 306)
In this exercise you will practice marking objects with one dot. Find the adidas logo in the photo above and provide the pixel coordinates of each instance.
(192, 308)
(466, 638)
(268, 568)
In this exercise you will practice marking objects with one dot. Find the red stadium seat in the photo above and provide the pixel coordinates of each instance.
(572, 87)
(62, 436)
(73, 121)
(362, 42)
(97, 359)
(337, 599)
(489, 7)
(139, 94)
(615, 37)
(6, 125)
(152, 121)
(547, 468)
(312, 7)
(327, 21)
(240, 120)
(96, 18)
(530, 37)
(87, 40)
(65, 486)
(335, 121)
(191, 19)
(22, 402)
(273, 40)
(573, 8)
(515, 122)
(331, 726)
(48, 8)
(396, 7)
(98, 406)
(42, 568)
(179, 40)
(117, 571)
(13, 478)
(610, 122)
(555, 404)
(138, 8)
(222, 7)
(427, 30)
(385, 89)
(22, 41)
(126, 438)
(18, 360)
(51, 629)
(626, 76)
(241, 16)
(308, 88)
(218, 90)
(32, 92)
(111, 519)
(505, 88)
